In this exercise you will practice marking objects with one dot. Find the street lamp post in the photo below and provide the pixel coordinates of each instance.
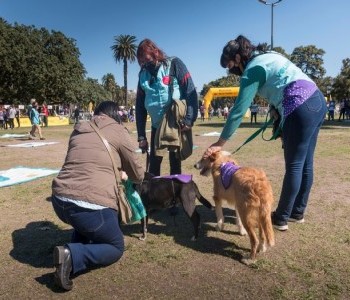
(272, 4)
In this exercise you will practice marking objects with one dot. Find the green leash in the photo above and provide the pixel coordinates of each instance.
(262, 130)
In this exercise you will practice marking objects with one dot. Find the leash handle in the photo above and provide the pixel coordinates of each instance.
(255, 134)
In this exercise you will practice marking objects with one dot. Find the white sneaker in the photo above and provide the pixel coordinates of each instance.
(298, 221)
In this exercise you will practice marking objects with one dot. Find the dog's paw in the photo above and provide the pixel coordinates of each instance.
(242, 231)
(142, 238)
(248, 261)
(262, 247)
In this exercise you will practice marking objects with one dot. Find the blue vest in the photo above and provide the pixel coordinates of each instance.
(157, 94)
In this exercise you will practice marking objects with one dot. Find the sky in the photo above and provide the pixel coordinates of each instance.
(193, 30)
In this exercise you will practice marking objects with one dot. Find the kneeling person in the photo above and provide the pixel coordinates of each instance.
(83, 194)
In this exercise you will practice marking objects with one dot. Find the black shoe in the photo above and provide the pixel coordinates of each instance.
(63, 262)
(279, 225)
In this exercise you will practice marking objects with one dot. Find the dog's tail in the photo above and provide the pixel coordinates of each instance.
(266, 224)
(201, 199)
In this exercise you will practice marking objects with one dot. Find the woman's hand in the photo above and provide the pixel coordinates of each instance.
(123, 176)
(185, 127)
(143, 145)
(216, 147)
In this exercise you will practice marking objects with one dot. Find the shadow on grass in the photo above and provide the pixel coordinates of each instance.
(335, 124)
(221, 125)
(326, 125)
(181, 230)
(34, 244)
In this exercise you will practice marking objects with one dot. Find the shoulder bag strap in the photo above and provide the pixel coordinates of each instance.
(109, 150)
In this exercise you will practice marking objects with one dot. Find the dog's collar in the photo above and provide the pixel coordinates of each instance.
(227, 169)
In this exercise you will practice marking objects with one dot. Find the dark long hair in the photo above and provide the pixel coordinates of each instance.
(242, 46)
(148, 47)
(108, 108)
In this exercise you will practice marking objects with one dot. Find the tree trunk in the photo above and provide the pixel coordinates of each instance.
(125, 82)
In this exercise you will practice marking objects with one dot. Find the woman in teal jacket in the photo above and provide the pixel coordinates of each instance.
(35, 120)
(161, 79)
(301, 106)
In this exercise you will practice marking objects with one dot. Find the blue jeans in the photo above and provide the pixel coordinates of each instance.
(300, 131)
(156, 161)
(96, 240)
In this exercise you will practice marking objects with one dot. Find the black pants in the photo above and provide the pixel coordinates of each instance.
(11, 123)
(156, 161)
(253, 116)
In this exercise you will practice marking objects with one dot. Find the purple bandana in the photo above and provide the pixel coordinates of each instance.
(227, 170)
(184, 178)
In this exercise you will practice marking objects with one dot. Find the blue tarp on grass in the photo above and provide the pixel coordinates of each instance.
(23, 174)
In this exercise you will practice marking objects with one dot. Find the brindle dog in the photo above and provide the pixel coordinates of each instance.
(163, 192)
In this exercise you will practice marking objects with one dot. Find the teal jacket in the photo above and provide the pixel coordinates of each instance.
(153, 94)
(157, 95)
(266, 75)
(34, 116)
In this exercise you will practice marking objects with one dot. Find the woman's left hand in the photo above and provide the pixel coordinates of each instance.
(185, 127)
(216, 147)
(123, 176)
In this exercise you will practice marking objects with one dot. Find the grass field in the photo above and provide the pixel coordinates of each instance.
(309, 261)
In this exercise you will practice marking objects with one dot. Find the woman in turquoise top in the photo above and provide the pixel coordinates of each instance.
(301, 106)
(35, 120)
(161, 79)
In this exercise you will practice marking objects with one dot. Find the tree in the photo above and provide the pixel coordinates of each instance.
(341, 86)
(325, 84)
(36, 63)
(309, 60)
(124, 49)
(264, 47)
(108, 82)
(91, 90)
(280, 50)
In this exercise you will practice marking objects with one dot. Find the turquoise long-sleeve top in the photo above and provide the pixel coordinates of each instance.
(267, 75)
(34, 117)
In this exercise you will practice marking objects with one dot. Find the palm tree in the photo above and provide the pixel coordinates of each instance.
(108, 82)
(124, 49)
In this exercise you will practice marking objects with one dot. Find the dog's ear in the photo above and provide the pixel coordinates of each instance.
(214, 156)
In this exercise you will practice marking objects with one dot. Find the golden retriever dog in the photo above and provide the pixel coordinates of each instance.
(249, 191)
